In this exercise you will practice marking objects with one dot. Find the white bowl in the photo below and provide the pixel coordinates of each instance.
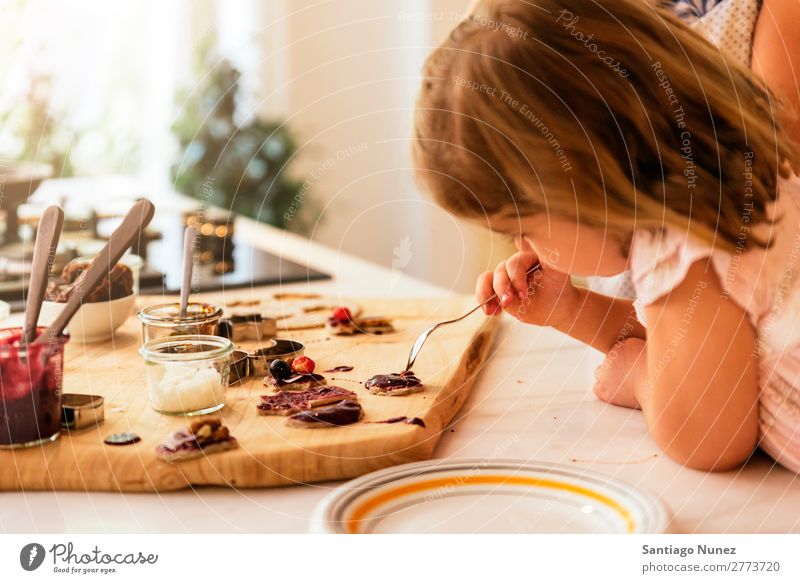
(93, 322)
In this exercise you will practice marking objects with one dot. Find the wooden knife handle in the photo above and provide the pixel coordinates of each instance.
(44, 250)
(121, 239)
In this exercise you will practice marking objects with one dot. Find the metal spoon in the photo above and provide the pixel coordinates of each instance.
(121, 239)
(412, 356)
(44, 249)
(189, 238)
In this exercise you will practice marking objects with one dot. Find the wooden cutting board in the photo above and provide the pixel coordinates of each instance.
(269, 453)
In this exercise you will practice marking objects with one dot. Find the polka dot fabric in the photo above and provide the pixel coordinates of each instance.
(728, 24)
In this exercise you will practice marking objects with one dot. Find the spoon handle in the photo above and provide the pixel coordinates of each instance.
(121, 239)
(422, 338)
(189, 238)
(44, 249)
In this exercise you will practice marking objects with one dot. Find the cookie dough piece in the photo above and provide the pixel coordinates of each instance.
(202, 438)
(296, 382)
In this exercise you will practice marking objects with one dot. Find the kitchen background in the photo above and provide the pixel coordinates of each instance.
(297, 113)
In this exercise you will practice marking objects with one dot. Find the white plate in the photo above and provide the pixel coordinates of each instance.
(475, 496)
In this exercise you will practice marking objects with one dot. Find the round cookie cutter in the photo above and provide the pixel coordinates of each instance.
(240, 367)
(256, 363)
(284, 349)
(79, 411)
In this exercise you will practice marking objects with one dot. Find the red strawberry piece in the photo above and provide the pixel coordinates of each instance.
(342, 314)
(303, 365)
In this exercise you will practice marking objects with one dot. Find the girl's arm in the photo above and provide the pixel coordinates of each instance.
(776, 55)
(548, 298)
(700, 393)
(601, 321)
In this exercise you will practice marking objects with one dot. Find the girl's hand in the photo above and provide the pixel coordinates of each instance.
(544, 298)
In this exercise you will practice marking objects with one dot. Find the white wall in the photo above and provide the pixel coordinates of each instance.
(346, 73)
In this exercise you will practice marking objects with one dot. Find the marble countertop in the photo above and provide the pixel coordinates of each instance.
(533, 401)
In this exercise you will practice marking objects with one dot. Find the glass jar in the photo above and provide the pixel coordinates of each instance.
(187, 375)
(165, 320)
(30, 390)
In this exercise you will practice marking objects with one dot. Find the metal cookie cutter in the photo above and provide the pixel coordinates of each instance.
(256, 363)
(242, 327)
(81, 411)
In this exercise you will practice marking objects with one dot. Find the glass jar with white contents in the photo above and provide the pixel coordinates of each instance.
(187, 375)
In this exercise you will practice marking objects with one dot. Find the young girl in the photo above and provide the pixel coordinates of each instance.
(609, 136)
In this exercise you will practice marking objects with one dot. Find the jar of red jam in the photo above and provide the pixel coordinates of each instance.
(30, 389)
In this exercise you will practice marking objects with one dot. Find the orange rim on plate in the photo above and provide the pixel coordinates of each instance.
(358, 505)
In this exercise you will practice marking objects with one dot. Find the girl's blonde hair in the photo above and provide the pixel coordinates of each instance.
(544, 105)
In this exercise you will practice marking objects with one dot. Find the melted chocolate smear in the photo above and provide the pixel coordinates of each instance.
(395, 380)
(340, 368)
(404, 419)
(347, 380)
(343, 413)
(393, 419)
